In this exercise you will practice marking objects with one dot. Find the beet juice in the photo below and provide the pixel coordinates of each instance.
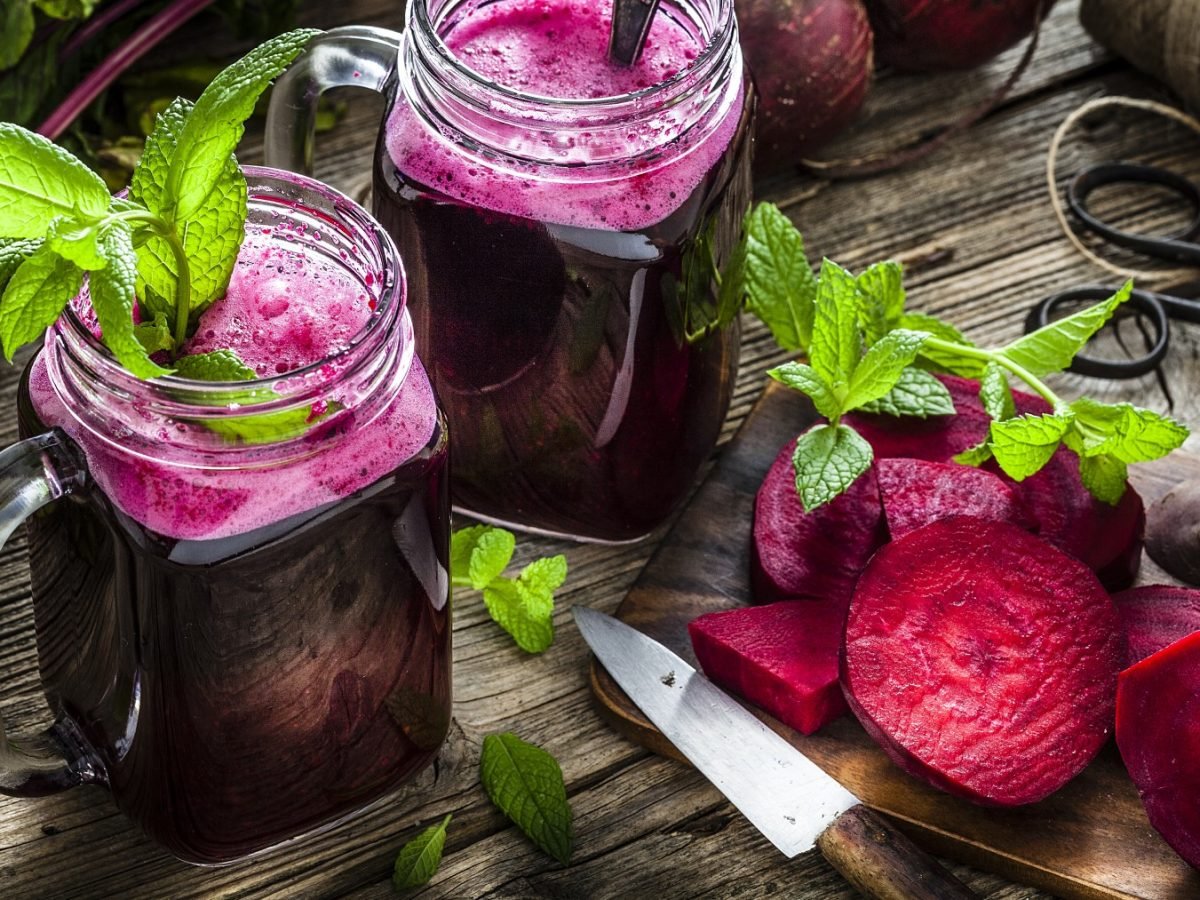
(242, 606)
(561, 217)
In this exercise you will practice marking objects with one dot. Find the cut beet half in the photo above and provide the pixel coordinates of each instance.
(1107, 538)
(983, 660)
(1158, 733)
(938, 438)
(916, 492)
(1154, 616)
(816, 554)
(782, 657)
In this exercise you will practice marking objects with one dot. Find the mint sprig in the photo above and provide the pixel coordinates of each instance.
(866, 353)
(526, 783)
(418, 860)
(179, 230)
(522, 606)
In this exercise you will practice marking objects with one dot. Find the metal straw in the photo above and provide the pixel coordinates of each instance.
(630, 25)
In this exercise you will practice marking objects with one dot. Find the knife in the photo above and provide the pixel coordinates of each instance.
(784, 794)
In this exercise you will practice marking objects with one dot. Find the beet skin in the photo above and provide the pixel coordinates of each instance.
(819, 554)
(782, 657)
(983, 660)
(812, 62)
(935, 35)
(1158, 733)
(1155, 616)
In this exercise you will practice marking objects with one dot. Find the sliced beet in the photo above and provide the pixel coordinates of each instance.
(816, 554)
(1154, 616)
(1107, 538)
(983, 660)
(1158, 733)
(938, 438)
(782, 657)
(916, 492)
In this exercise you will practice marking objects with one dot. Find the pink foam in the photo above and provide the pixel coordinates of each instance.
(557, 48)
(280, 310)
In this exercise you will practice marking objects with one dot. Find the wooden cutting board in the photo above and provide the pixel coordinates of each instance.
(1089, 840)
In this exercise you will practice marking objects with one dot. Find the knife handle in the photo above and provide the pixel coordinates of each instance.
(876, 858)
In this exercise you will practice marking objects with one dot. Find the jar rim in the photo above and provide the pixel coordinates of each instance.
(706, 58)
(267, 185)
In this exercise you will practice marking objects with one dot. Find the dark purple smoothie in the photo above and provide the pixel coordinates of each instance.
(551, 301)
(292, 651)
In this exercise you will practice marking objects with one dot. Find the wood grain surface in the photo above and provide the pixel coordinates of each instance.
(974, 225)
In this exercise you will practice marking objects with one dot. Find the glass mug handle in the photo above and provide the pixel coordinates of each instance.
(35, 472)
(352, 56)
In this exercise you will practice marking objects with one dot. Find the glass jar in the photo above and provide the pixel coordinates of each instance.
(561, 251)
(241, 598)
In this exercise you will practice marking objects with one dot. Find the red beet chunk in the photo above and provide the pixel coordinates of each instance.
(782, 658)
(938, 438)
(820, 554)
(934, 35)
(983, 660)
(916, 492)
(1155, 616)
(1158, 733)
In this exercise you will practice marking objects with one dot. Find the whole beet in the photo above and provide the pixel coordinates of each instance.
(812, 62)
(933, 35)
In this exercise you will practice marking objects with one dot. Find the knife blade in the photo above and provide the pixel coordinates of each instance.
(791, 800)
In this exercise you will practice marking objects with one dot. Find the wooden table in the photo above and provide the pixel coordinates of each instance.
(974, 224)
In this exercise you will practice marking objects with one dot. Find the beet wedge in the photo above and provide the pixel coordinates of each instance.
(816, 554)
(1158, 733)
(938, 438)
(916, 492)
(982, 660)
(782, 657)
(1156, 616)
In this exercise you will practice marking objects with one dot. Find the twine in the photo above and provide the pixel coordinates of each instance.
(1091, 106)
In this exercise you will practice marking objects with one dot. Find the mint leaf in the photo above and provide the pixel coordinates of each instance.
(112, 294)
(37, 293)
(828, 459)
(836, 344)
(40, 181)
(1025, 444)
(882, 292)
(733, 284)
(211, 235)
(216, 365)
(936, 358)
(975, 456)
(419, 859)
(995, 394)
(916, 393)
(1051, 348)
(1124, 431)
(16, 31)
(804, 379)
(270, 428)
(524, 607)
(12, 254)
(779, 283)
(480, 554)
(1104, 477)
(67, 9)
(883, 365)
(77, 241)
(526, 783)
(215, 125)
(154, 335)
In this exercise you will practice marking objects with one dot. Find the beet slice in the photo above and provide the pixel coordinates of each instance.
(782, 657)
(818, 555)
(1154, 616)
(916, 492)
(983, 660)
(1158, 733)
(938, 438)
